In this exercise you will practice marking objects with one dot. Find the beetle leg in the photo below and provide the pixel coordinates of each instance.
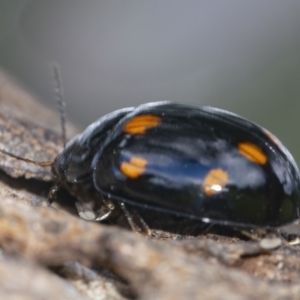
(53, 193)
(254, 234)
(86, 210)
(105, 210)
(269, 237)
(289, 239)
(135, 221)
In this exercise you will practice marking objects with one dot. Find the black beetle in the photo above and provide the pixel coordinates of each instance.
(196, 162)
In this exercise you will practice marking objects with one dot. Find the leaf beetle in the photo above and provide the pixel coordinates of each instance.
(196, 162)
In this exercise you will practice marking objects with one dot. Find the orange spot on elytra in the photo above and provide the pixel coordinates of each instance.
(214, 181)
(134, 168)
(253, 153)
(139, 124)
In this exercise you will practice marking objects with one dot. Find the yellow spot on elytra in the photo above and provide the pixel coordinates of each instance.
(214, 181)
(139, 124)
(134, 168)
(253, 153)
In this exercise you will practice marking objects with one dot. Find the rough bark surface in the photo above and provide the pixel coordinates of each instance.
(49, 254)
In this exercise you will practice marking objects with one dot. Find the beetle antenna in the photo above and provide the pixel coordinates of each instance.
(61, 104)
(38, 163)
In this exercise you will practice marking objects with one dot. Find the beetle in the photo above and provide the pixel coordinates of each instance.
(197, 162)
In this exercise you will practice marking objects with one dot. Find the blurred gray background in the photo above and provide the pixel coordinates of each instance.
(243, 56)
